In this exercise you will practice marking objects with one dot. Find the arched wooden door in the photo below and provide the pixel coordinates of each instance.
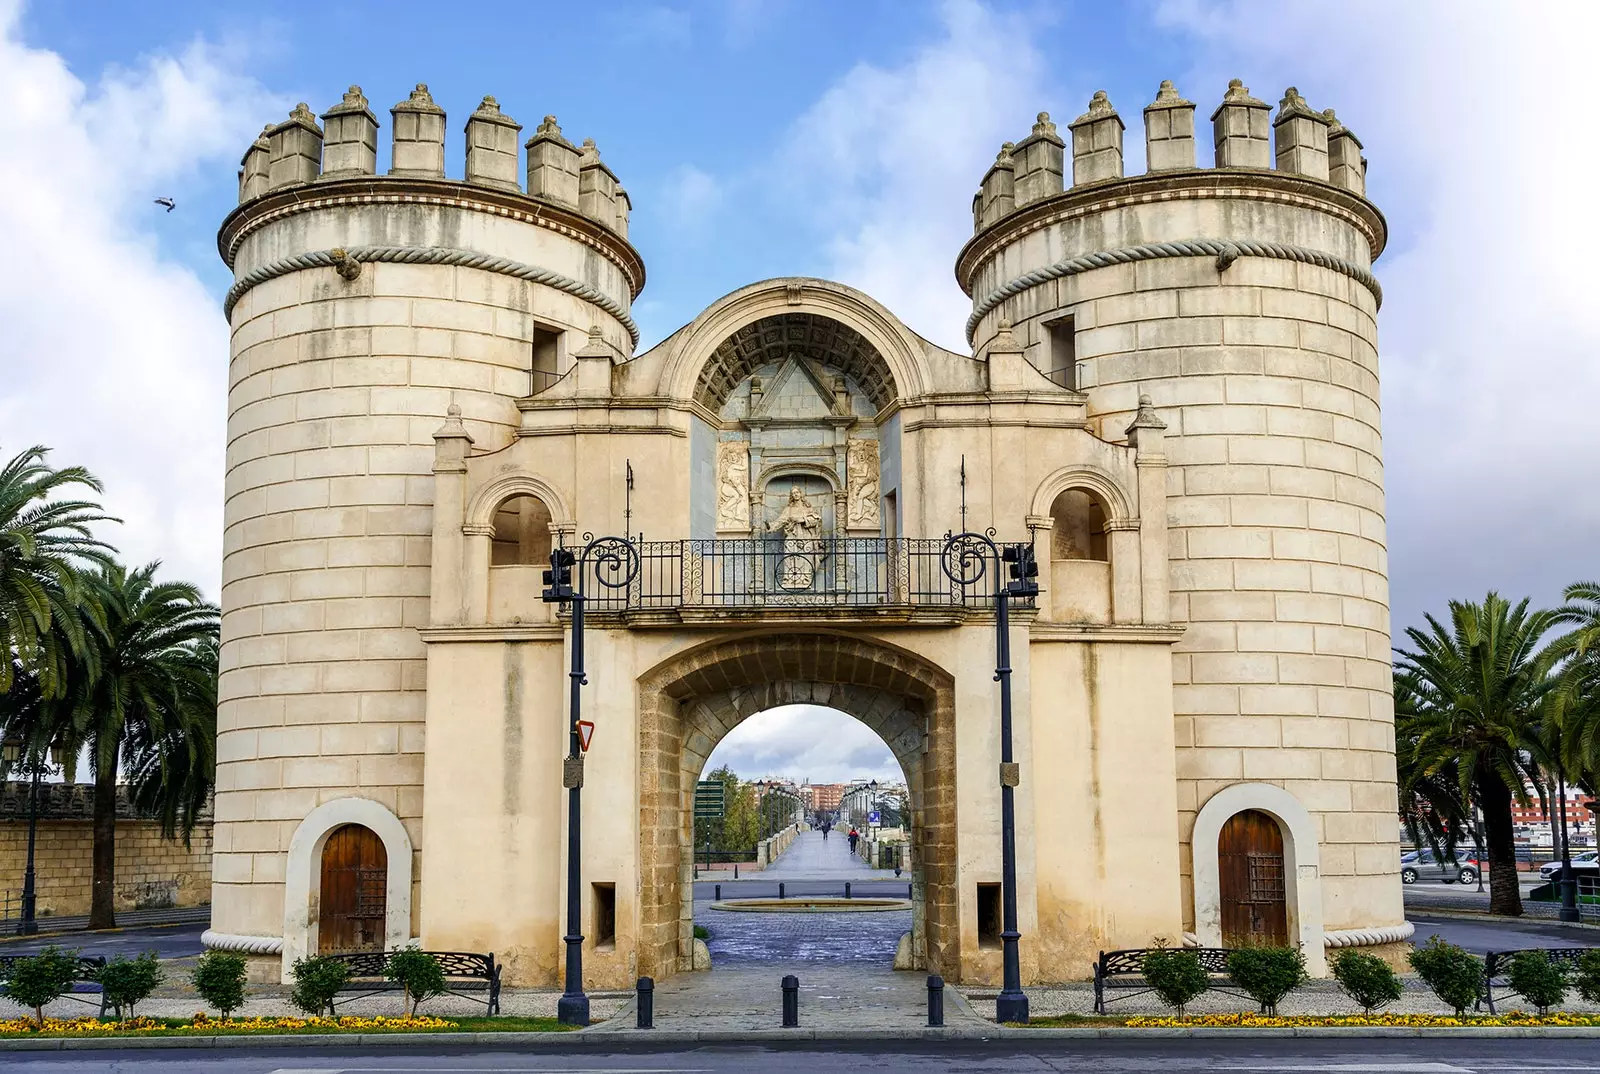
(355, 884)
(1255, 910)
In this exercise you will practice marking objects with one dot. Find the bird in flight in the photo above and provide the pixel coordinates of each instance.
(168, 202)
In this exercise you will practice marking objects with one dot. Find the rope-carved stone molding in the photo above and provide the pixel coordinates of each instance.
(1347, 937)
(1224, 251)
(249, 945)
(347, 262)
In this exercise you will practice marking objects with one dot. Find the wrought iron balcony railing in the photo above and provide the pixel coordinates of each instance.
(858, 573)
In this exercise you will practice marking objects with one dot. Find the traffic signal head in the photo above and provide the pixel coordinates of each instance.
(558, 579)
(1023, 568)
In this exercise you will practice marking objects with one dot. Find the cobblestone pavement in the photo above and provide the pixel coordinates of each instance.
(824, 938)
(811, 857)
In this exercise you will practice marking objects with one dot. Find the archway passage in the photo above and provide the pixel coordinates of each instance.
(354, 891)
(688, 704)
(805, 335)
(1255, 908)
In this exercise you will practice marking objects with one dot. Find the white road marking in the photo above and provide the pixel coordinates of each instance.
(494, 1070)
(1395, 1068)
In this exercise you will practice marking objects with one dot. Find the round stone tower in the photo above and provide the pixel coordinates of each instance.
(1239, 298)
(366, 308)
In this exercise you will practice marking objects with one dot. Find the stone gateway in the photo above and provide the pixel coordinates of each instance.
(1172, 393)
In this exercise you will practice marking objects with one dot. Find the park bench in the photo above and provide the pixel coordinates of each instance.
(1124, 971)
(85, 984)
(1496, 965)
(467, 971)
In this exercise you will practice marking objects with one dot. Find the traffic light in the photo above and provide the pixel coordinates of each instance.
(558, 579)
(1024, 570)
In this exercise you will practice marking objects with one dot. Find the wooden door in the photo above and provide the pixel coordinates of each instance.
(355, 883)
(1255, 910)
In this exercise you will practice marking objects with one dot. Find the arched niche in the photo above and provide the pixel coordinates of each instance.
(1080, 557)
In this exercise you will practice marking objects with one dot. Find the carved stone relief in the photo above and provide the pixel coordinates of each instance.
(862, 467)
(733, 486)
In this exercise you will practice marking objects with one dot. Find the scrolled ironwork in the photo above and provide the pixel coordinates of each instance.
(615, 560)
(966, 557)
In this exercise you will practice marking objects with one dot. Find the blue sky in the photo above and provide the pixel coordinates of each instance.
(833, 139)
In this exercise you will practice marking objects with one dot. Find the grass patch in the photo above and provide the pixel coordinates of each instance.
(202, 1026)
(1252, 1020)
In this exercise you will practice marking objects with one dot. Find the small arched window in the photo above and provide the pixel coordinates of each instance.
(521, 533)
(1079, 530)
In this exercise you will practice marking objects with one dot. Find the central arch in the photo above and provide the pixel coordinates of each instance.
(687, 705)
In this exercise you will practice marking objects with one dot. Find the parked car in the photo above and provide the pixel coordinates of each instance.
(1418, 864)
(1588, 862)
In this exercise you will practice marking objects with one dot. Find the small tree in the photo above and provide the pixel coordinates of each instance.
(1454, 974)
(1538, 979)
(1267, 974)
(219, 979)
(317, 981)
(1367, 979)
(1175, 975)
(126, 981)
(39, 981)
(1587, 977)
(418, 973)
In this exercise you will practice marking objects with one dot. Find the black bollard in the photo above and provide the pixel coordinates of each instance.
(736, 870)
(847, 889)
(780, 889)
(911, 891)
(935, 1000)
(647, 1003)
(791, 1001)
(719, 892)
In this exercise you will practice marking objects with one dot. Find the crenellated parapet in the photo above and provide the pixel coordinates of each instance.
(298, 151)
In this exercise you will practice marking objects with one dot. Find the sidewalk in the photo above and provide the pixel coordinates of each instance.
(811, 857)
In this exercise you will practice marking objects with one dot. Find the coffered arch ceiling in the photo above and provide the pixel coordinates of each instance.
(775, 338)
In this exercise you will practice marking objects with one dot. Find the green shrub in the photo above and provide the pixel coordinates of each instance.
(1175, 975)
(219, 979)
(1367, 979)
(418, 973)
(1537, 979)
(317, 981)
(1267, 974)
(39, 981)
(1454, 974)
(702, 933)
(1587, 977)
(128, 981)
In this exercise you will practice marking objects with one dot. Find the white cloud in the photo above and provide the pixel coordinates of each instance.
(114, 355)
(890, 159)
(1473, 121)
(806, 742)
(688, 198)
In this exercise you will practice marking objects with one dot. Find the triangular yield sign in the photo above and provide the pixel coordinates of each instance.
(585, 734)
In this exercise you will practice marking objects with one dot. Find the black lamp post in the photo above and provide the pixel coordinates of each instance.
(15, 754)
(1569, 883)
(967, 557)
(616, 564)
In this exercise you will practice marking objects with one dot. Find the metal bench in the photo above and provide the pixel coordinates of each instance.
(1498, 963)
(468, 971)
(1124, 971)
(85, 984)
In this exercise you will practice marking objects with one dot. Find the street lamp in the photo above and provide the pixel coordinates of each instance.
(14, 752)
(616, 565)
(1569, 883)
(966, 559)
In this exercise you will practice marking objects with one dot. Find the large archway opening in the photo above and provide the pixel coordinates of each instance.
(690, 703)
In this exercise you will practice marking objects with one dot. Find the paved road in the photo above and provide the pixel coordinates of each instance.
(891, 1057)
(1502, 934)
(812, 857)
(167, 941)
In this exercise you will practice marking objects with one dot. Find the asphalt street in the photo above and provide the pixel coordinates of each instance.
(167, 941)
(1502, 934)
(890, 1057)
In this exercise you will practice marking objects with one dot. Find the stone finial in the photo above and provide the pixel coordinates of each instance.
(492, 140)
(1039, 163)
(1169, 131)
(593, 364)
(1240, 125)
(350, 146)
(1300, 137)
(997, 196)
(624, 208)
(253, 166)
(1096, 142)
(294, 149)
(1146, 431)
(597, 186)
(1005, 340)
(450, 443)
(418, 136)
(1346, 167)
(552, 165)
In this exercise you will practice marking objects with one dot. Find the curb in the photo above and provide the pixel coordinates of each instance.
(1458, 914)
(985, 1034)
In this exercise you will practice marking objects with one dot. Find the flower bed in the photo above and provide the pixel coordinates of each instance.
(203, 1025)
(1252, 1020)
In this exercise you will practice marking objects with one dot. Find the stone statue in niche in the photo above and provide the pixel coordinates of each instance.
(801, 527)
(861, 464)
(733, 486)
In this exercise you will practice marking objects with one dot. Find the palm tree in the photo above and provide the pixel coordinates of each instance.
(1579, 649)
(1478, 686)
(141, 694)
(45, 544)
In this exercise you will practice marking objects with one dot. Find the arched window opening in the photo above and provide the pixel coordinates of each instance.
(521, 533)
(1080, 526)
(353, 904)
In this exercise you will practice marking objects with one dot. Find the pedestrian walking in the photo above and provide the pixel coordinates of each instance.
(855, 837)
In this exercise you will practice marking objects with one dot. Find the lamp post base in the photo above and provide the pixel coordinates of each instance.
(572, 1009)
(1011, 1007)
